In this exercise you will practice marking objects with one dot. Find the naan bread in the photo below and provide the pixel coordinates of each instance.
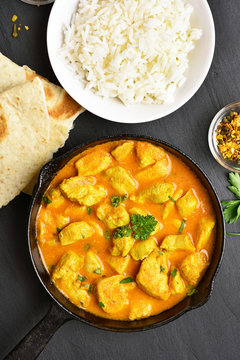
(24, 134)
(62, 109)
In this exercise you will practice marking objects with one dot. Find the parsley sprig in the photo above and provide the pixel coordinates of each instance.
(140, 227)
(232, 207)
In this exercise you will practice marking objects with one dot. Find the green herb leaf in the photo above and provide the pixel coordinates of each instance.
(82, 278)
(89, 210)
(52, 267)
(142, 226)
(182, 226)
(191, 290)
(229, 233)
(98, 271)
(122, 231)
(46, 200)
(85, 285)
(58, 230)
(174, 273)
(87, 247)
(127, 280)
(82, 304)
(124, 197)
(107, 235)
(172, 199)
(234, 180)
(101, 304)
(231, 211)
(160, 252)
(161, 269)
(90, 289)
(115, 200)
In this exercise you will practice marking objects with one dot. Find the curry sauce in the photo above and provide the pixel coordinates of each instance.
(126, 230)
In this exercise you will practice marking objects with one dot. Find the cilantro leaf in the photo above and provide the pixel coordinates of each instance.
(122, 231)
(191, 290)
(234, 180)
(142, 226)
(161, 269)
(101, 304)
(46, 200)
(127, 280)
(116, 200)
(174, 272)
(231, 211)
(98, 271)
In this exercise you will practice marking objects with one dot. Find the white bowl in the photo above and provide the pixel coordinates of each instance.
(110, 108)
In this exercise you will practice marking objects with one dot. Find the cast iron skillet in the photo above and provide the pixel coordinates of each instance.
(63, 310)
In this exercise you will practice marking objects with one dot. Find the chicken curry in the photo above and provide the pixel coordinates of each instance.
(126, 230)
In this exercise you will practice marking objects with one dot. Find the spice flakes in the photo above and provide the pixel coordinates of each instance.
(228, 137)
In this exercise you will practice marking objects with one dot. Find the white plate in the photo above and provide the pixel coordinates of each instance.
(113, 109)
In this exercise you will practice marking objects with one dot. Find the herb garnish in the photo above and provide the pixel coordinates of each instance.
(127, 280)
(191, 290)
(229, 233)
(160, 252)
(182, 226)
(172, 199)
(174, 272)
(90, 289)
(107, 235)
(232, 207)
(82, 278)
(46, 200)
(161, 269)
(122, 231)
(58, 230)
(101, 304)
(87, 247)
(89, 210)
(116, 200)
(82, 304)
(98, 271)
(86, 286)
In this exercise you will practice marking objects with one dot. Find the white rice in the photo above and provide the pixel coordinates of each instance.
(136, 50)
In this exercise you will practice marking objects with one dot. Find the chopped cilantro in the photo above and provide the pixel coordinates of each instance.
(90, 289)
(52, 266)
(87, 247)
(182, 226)
(160, 252)
(89, 210)
(115, 200)
(142, 226)
(161, 269)
(191, 290)
(174, 273)
(98, 271)
(122, 231)
(107, 235)
(58, 230)
(85, 285)
(127, 280)
(101, 304)
(103, 276)
(172, 199)
(82, 278)
(46, 200)
(82, 304)
(124, 197)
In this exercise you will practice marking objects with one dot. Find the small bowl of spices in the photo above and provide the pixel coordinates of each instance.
(224, 137)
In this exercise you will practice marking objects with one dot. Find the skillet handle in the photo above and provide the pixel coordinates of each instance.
(37, 338)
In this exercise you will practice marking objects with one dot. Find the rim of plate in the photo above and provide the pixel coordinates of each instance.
(200, 59)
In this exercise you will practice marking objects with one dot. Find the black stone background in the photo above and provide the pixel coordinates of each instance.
(210, 332)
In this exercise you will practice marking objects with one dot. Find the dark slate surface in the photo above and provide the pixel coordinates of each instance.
(211, 332)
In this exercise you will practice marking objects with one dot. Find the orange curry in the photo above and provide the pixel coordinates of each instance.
(126, 230)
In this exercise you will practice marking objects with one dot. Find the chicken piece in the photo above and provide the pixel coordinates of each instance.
(158, 193)
(62, 221)
(177, 242)
(139, 309)
(113, 217)
(74, 232)
(168, 206)
(148, 154)
(153, 275)
(119, 263)
(111, 294)
(56, 198)
(156, 171)
(80, 190)
(192, 267)
(122, 151)
(121, 180)
(65, 278)
(145, 213)
(187, 204)
(122, 246)
(205, 228)
(93, 163)
(141, 249)
(176, 283)
(92, 262)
